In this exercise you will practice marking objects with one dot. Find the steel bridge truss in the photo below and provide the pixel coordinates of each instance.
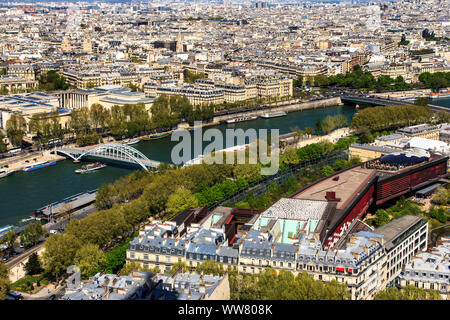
(114, 151)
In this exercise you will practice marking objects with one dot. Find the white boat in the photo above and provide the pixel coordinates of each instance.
(241, 119)
(90, 167)
(199, 159)
(268, 115)
(131, 141)
(5, 173)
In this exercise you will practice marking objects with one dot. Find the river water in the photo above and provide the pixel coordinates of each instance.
(23, 192)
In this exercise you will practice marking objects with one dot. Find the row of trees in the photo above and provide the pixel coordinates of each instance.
(46, 127)
(435, 80)
(207, 196)
(120, 121)
(31, 234)
(2, 143)
(331, 123)
(190, 76)
(52, 81)
(168, 111)
(359, 79)
(5, 283)
(270, 284)
(380, 118)
(283, 285)
(16, 127)
(408, 293)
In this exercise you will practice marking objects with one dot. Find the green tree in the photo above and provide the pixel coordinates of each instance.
(32, 233)
(181, 264)
(98, 116)
(60, 250)
(381, 217)
(33, 265)
(365, 136)
(309, 131)
(9, 239)
(441, 196)
(318, 125)
(421, 101)
(105, 197)
(52, 81)
(16, 127)
(115, 259)
(210, 267)
(298, 82)
(80, 121)
(190, 76)
(442, 116)
(326, 171)
(90, 259)
(181, 200)
(2, 143)
(5, 283)
(321, 80)
(249, 172)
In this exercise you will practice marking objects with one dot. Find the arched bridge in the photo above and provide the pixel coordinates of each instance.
(112, 151)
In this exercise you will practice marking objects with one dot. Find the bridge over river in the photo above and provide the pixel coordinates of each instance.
(359, 99)
(116, 152)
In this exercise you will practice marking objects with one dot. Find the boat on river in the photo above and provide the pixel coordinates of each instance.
(269, 115)
(156, 136)
(132, 141)
(90, 167)
(38, 165)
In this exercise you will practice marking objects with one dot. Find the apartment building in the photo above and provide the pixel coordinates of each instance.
(422, 131)
(24, 71)
(430, 270)
(274, 87)
(368, 152)
(286, 236)
(15, 83)
(87, 80)
(195, 95)
(404, 238)
(140, 285)
(28, 104)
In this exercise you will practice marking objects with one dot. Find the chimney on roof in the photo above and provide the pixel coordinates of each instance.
(331, 196)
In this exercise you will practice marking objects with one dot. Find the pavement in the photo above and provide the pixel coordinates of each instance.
(332, 137)
(16, 264)
(17, 163)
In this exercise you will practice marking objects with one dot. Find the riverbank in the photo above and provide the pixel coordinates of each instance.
(24, 192)
(333, 137)
(17, 164)
(289, 106)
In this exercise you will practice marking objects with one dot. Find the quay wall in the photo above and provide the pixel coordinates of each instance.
(288, 107)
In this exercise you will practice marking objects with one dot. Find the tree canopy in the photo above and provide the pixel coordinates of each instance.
(408, 293)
